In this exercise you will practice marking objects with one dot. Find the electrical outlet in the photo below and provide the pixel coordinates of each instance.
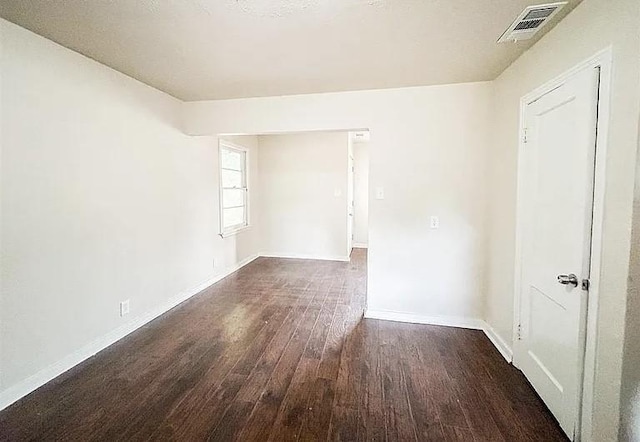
(435, 222)
(124, 308)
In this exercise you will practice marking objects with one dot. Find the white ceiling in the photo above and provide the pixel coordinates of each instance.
(213, 49)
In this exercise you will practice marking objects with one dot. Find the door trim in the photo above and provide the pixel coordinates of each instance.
(603, 60)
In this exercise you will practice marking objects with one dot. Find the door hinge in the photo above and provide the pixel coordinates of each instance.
(524, 135)
(519, 332)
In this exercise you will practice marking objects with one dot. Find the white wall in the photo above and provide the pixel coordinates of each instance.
(591, 27)
(428, 150)
(361, 193)
(103, 198)
(630, 392)
(300, 212)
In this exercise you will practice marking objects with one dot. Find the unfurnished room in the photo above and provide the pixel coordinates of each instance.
(313, 220)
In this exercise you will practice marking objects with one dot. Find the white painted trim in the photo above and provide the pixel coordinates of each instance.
(233, 232)
(224, 144)
(351, 195)
(502, 346)
(448, 321)
(360, 245)
(604, 60)
(303, 256)
(23, 388)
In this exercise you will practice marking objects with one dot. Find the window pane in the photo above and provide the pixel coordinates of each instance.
(231, 178)
(232, 159)
(233, 217)
(232, 198)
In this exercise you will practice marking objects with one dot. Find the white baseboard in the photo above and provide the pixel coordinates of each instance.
(499, 343)
(302, 256)
(23, 388)
(447, 321)
(360, 245)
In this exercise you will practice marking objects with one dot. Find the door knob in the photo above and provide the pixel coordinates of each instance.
(569, 279)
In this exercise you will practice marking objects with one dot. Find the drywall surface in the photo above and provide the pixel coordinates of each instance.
(630, 392)
(592, 26)
(303, 195)
(103, 198)
(427, 152)
(361, 194)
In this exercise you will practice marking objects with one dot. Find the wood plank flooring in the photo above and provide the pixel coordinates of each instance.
(279, 352)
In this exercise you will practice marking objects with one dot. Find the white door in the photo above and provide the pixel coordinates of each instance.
(555, 221)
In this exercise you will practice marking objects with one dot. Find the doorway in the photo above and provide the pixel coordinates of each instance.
(359, 208)
(558, 237)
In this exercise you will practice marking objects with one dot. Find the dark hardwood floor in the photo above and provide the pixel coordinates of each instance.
(279, 351)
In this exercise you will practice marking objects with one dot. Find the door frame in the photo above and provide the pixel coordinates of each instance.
(350, 194)
(602, 59)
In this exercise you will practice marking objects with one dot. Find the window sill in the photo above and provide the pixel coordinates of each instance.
(234, 231)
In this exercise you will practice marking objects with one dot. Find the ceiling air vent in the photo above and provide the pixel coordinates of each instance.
(530, 21)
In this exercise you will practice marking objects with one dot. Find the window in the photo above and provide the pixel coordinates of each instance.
(234, 191)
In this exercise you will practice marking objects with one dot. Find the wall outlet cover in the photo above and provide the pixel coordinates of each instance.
(124, 308)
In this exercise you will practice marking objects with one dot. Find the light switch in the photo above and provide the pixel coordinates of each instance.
(379, 193)
(435, 222)
(337, 192)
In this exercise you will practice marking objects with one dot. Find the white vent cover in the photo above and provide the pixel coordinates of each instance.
(530, 21)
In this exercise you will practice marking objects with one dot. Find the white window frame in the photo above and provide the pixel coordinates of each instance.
(232, 230)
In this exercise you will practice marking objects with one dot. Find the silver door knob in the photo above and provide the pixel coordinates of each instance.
(568, 279)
